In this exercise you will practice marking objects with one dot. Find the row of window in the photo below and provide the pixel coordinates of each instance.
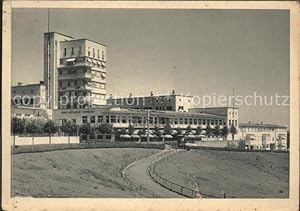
(234, 122)
(152, 120)
(79, 83)
(79, 52)
(250, 129)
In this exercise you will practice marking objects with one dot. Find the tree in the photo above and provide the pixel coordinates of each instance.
(157, 131)
(208, 130)
(217, 131)
(130, 129)
(142, 132)
(168, 129)
(224, 131)
(50, 127)
(85, 129)
(105, 128)
(233, 131)
(69, 128)
(18, 127)
(34, 126)
(188, 129)
(198, 130)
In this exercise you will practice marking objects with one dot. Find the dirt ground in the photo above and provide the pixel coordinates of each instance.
(238, 174)
(75, 173)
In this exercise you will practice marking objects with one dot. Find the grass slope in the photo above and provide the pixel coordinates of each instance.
(238, 174)
(75, 173)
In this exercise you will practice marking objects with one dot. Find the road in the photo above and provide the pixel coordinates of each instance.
(137, 176)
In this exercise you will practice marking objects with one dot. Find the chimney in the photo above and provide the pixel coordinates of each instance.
(261, 122)
(19, 84)
(110, 96)
(130, 95)
(173, 92)
(41, 82)
(151, 93)
(249, 122)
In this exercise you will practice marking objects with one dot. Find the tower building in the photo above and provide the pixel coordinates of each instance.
(75, 76)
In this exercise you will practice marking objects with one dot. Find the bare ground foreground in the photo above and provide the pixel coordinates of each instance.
(238, 174)
(76, 173)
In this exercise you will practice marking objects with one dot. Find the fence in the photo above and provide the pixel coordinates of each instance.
(55, 147)
(182, 190)
(24, 140)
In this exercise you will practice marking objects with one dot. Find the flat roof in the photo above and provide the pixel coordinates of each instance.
(24, 85)
(261, 125)
(154, 96)
(216, 107)
(58, 33)
(106, 108)
(84, 39)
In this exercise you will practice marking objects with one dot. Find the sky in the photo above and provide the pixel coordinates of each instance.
(195, 52)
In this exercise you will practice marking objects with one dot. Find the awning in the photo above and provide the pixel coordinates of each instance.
(103, 75)
(71, 60)
(94, 62)
(103, 64)
(89, 60)
(99, 63)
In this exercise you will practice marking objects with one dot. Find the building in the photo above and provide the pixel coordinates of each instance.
(264, 136)
(231, 114)
(122, 118)
(75, 71)
(171, 102)
(51, 62)
(29, 95)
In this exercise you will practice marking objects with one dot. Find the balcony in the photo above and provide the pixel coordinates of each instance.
(82, 61)
(75, 76)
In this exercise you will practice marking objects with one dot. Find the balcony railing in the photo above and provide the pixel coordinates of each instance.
(82, 61)
(75, 76)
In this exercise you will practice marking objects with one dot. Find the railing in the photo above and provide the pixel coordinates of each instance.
(182, 190)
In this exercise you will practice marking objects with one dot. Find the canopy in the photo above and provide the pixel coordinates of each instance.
(103, 64)
(89, 60)
(168, 136)
(135, 136)
(103, 75)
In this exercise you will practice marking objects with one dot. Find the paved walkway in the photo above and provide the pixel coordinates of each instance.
(136, 174)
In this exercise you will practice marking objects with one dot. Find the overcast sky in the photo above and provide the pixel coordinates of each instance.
(195, 52)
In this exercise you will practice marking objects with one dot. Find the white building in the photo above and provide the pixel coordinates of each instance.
(264, 136)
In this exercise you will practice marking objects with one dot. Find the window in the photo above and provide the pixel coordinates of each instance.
(204, 122)
(60, 72)
(89, 52)
(72, 51)
(92, 118)
(98, 54)
(99, 136)
(93, 52)
(102, 55)
(185, 121)
(181, 121)
(220, 122)
(100, 119)
(79, 51)
(190, 121)
(65, 51)
(175, 121)
(235, 122)
(195, 121)
(212, 122)
(69, 83)
(107, 119)
(169, 108)
(229, 122)
(113, 119)
(84, 119)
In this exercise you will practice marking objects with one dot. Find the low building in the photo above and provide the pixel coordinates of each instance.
(122, 118)
(264, 136)
(170, 102)
(231, 114)
(29, 95)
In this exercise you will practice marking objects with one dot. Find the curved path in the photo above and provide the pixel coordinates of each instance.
(136, 174)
